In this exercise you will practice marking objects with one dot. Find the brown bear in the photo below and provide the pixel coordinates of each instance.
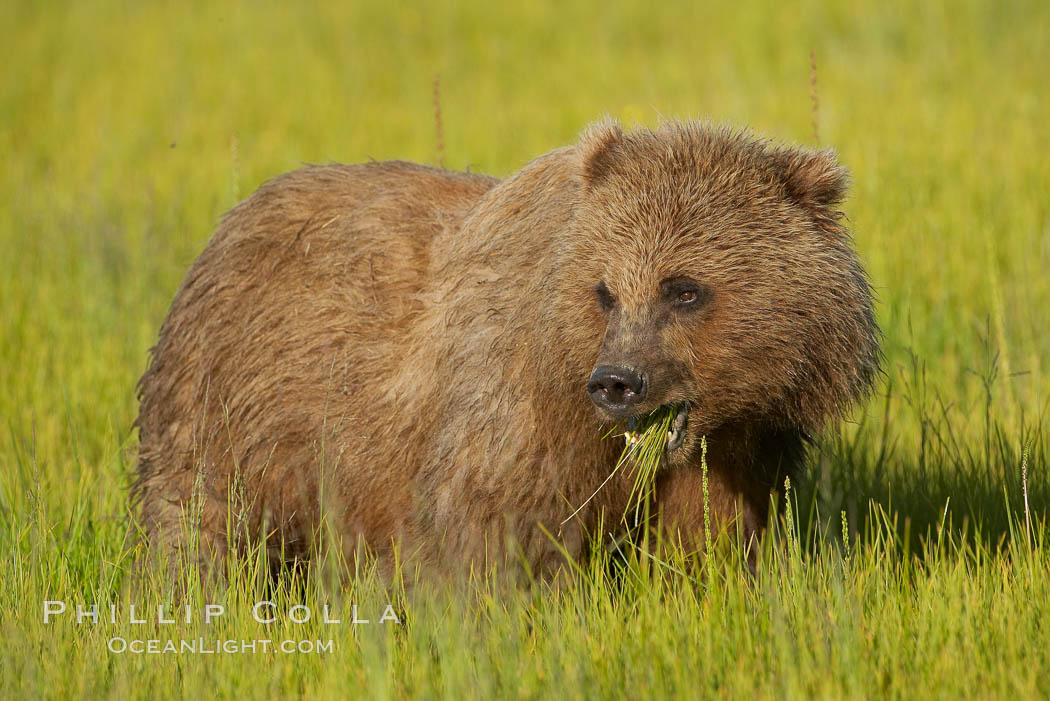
(425, 362)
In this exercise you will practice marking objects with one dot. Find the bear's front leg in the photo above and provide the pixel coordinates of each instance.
(734, 509)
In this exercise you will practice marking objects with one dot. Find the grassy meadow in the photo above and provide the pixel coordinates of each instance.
(914, 560)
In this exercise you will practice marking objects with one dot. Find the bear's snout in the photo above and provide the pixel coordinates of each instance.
(617, 389)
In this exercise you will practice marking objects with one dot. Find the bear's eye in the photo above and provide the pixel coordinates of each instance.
(684, 293)
(605, 298)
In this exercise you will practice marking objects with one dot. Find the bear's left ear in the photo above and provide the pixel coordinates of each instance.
(811, 178)
(597, 149)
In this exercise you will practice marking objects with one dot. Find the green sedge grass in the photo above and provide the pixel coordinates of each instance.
(921, 525)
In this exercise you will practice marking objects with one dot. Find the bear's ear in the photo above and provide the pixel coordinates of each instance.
(811, 178)
(597, 149)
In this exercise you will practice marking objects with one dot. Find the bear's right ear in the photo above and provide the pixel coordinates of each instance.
(597, 149)
(812, 178)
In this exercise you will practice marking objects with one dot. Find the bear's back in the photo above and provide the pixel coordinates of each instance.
(290, 320)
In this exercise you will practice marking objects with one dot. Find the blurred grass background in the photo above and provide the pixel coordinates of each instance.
(128, 128)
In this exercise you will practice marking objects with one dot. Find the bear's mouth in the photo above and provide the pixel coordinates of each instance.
(675, 435)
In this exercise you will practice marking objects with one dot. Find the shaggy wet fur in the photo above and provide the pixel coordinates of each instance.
(405, 350)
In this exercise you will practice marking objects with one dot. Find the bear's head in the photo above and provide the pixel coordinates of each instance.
(716, 271)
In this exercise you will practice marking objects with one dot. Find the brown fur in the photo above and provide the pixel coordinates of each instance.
(406, 348)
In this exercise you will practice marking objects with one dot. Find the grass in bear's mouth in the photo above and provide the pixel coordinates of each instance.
(644, 448)
(645, 438)
(643, 428)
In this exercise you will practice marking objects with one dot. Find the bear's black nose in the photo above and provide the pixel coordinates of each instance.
(616, 389)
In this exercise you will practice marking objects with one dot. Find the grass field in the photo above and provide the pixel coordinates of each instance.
(128, 128)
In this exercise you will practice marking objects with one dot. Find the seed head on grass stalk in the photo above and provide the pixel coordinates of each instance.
(707, 498)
